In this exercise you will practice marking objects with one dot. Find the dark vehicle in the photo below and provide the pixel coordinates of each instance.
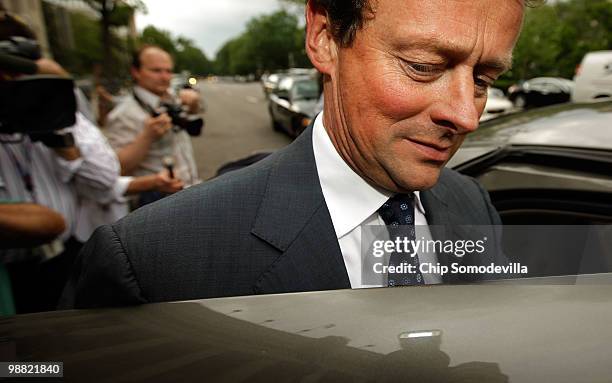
(546, 166)
(540, 91)
(487, 333)
(293, 103)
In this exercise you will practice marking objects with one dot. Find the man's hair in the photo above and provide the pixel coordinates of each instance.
(349, 16)
(137, 54)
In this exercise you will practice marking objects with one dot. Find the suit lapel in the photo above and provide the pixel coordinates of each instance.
(294, 218)
(446, 224)
(443, 223)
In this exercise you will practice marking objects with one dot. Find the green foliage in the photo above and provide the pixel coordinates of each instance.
(87, 52)
(191, 58)
(159, 37)
(121, 8)
(270, 42)
(556, 36)
(187, 56)
(87, 41)
(96, 42)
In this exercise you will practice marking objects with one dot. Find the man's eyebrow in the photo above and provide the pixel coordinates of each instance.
(500, 65)
(447, 48)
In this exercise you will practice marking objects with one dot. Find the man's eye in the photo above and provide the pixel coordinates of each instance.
(482, 85)
(423, 69)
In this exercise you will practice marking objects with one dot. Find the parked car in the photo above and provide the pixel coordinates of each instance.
(529, 332)
(593, 77)
(497, 104)
(270, 82)
(540, 91)
(292, 104)
(546, 166)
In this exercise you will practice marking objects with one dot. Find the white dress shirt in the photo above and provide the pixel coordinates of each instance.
(353, 202)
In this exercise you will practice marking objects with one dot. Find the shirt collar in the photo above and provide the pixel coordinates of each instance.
(347, 209)
(147, 97)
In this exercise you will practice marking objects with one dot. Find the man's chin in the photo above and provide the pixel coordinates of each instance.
(420, 180)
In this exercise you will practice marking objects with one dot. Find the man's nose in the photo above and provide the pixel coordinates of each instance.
(457, 108)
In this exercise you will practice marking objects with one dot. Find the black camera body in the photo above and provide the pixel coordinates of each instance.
(21, 46)
(192, 125)
(37, 106)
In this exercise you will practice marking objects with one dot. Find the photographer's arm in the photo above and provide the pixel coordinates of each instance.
(28, 225)
(160, 182)
(48, 66)
(132, 154)
(96, 167)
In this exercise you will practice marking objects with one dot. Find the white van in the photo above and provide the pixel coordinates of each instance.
(593, 77)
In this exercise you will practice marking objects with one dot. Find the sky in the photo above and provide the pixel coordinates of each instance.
(210, 23)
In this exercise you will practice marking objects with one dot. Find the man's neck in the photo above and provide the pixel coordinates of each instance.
(149, 97)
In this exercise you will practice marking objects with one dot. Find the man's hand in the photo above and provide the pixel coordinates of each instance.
(47, 66)
(165, 184)
(156, 127)
(69, 154)
(191, 99)
(132, 154)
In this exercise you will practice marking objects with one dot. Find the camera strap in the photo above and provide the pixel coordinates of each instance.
(148, 108)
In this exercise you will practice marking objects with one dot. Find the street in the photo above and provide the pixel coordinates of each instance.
(237, 125)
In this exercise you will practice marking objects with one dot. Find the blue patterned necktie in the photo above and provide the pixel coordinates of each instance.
(398, 214)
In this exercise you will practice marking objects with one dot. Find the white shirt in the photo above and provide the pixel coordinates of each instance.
(57, 183)
(353, 202)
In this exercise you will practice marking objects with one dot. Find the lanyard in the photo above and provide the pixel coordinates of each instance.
(24, 172)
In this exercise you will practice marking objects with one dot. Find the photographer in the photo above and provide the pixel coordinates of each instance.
(47, 153)
(151, 127)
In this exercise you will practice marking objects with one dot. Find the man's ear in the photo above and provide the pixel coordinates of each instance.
(134, 72)
(320, 45)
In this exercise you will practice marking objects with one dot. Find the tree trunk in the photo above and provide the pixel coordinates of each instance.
(107, 60)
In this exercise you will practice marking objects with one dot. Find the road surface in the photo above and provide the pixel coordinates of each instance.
(237, 125)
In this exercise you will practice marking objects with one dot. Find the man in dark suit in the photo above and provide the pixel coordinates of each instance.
(404, 83)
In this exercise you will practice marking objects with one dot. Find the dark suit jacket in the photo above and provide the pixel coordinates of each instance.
(262, 229)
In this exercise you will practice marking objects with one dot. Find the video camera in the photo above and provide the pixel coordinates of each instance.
(38, 106)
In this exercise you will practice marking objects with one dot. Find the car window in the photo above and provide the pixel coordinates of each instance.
(305, 90)
(285, 84)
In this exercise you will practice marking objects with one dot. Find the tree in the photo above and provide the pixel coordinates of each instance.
(187, 56)
(85, 51)
(113, 13)
(191, 58)
(270, 42)
(159, 37)
(556, 36)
